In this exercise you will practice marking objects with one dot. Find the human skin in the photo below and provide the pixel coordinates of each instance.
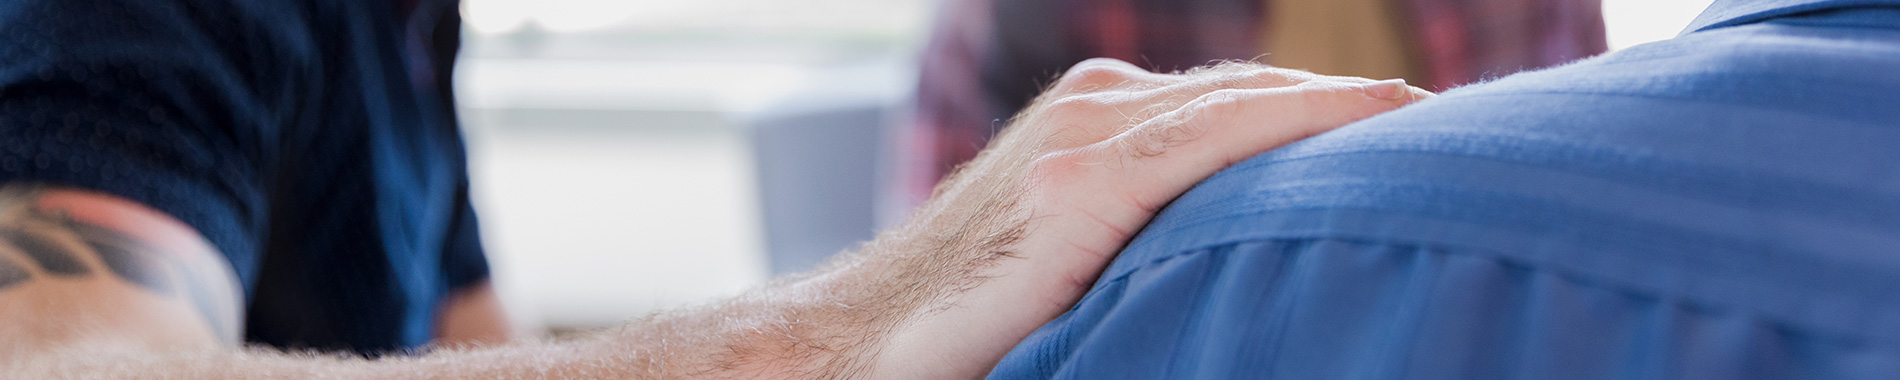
(1006, 244)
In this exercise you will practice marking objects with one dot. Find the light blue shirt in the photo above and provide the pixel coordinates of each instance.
(1723, 205)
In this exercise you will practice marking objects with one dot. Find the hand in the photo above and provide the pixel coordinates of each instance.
(1026, 227)
(1005, 245)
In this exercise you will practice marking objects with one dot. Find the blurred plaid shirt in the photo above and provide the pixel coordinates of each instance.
(987, 59)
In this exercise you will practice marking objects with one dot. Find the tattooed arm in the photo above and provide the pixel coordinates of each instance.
(1005, 245)
(80, 268)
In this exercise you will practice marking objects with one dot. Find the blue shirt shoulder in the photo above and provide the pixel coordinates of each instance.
(312, 142)
(1720, 206)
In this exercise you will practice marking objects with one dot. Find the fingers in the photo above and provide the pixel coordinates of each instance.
(1178, 149)
(1104, 74)
(1121, 96)
(1107, 74)
(1101, 98)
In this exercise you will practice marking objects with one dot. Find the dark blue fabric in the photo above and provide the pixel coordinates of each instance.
(1724, 205)
(312, 141)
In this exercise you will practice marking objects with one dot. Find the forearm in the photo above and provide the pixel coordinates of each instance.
(830, 324)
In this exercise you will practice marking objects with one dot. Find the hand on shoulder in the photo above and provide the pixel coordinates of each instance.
(1022, 231)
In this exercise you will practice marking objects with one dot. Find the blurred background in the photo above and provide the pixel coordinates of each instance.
(633, 155)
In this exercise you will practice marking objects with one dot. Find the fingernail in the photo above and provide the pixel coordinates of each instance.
(1391, 89)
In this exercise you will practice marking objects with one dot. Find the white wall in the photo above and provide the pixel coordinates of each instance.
(1634, 22)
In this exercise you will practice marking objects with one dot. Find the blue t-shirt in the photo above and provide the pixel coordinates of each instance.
(313, 142)
(1723, 205)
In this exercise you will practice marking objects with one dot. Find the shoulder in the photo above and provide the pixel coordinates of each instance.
(1743, 171)
(190, 40)
(168, 103)
(1665, 169)
(1659, 139)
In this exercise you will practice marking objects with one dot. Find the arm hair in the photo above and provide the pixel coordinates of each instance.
(830, 323)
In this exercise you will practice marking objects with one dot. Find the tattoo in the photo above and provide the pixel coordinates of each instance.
(54, 258)
(59, 246)
(128, 258)
(11, 274)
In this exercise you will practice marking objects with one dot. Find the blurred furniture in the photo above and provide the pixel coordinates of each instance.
(820, 158)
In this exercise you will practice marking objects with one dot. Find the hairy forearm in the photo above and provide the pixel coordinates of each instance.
(831, 323)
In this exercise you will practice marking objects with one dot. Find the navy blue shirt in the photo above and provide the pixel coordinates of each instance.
(313, 142)
(1723, 205)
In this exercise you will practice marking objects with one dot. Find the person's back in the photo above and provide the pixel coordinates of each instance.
(1720, 205)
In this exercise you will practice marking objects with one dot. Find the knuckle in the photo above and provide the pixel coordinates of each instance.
(1336, 96)
(1152, 110)
(1089, 78)
(1103, 61)
(1146, 144)
(1218, 105)
(1213, 108)
(1283, 75)
(1192, 122)
(1318, 93)
(1075, 105)
(1321, 106)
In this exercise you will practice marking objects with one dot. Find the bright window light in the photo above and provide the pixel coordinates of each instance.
(1635, 22)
